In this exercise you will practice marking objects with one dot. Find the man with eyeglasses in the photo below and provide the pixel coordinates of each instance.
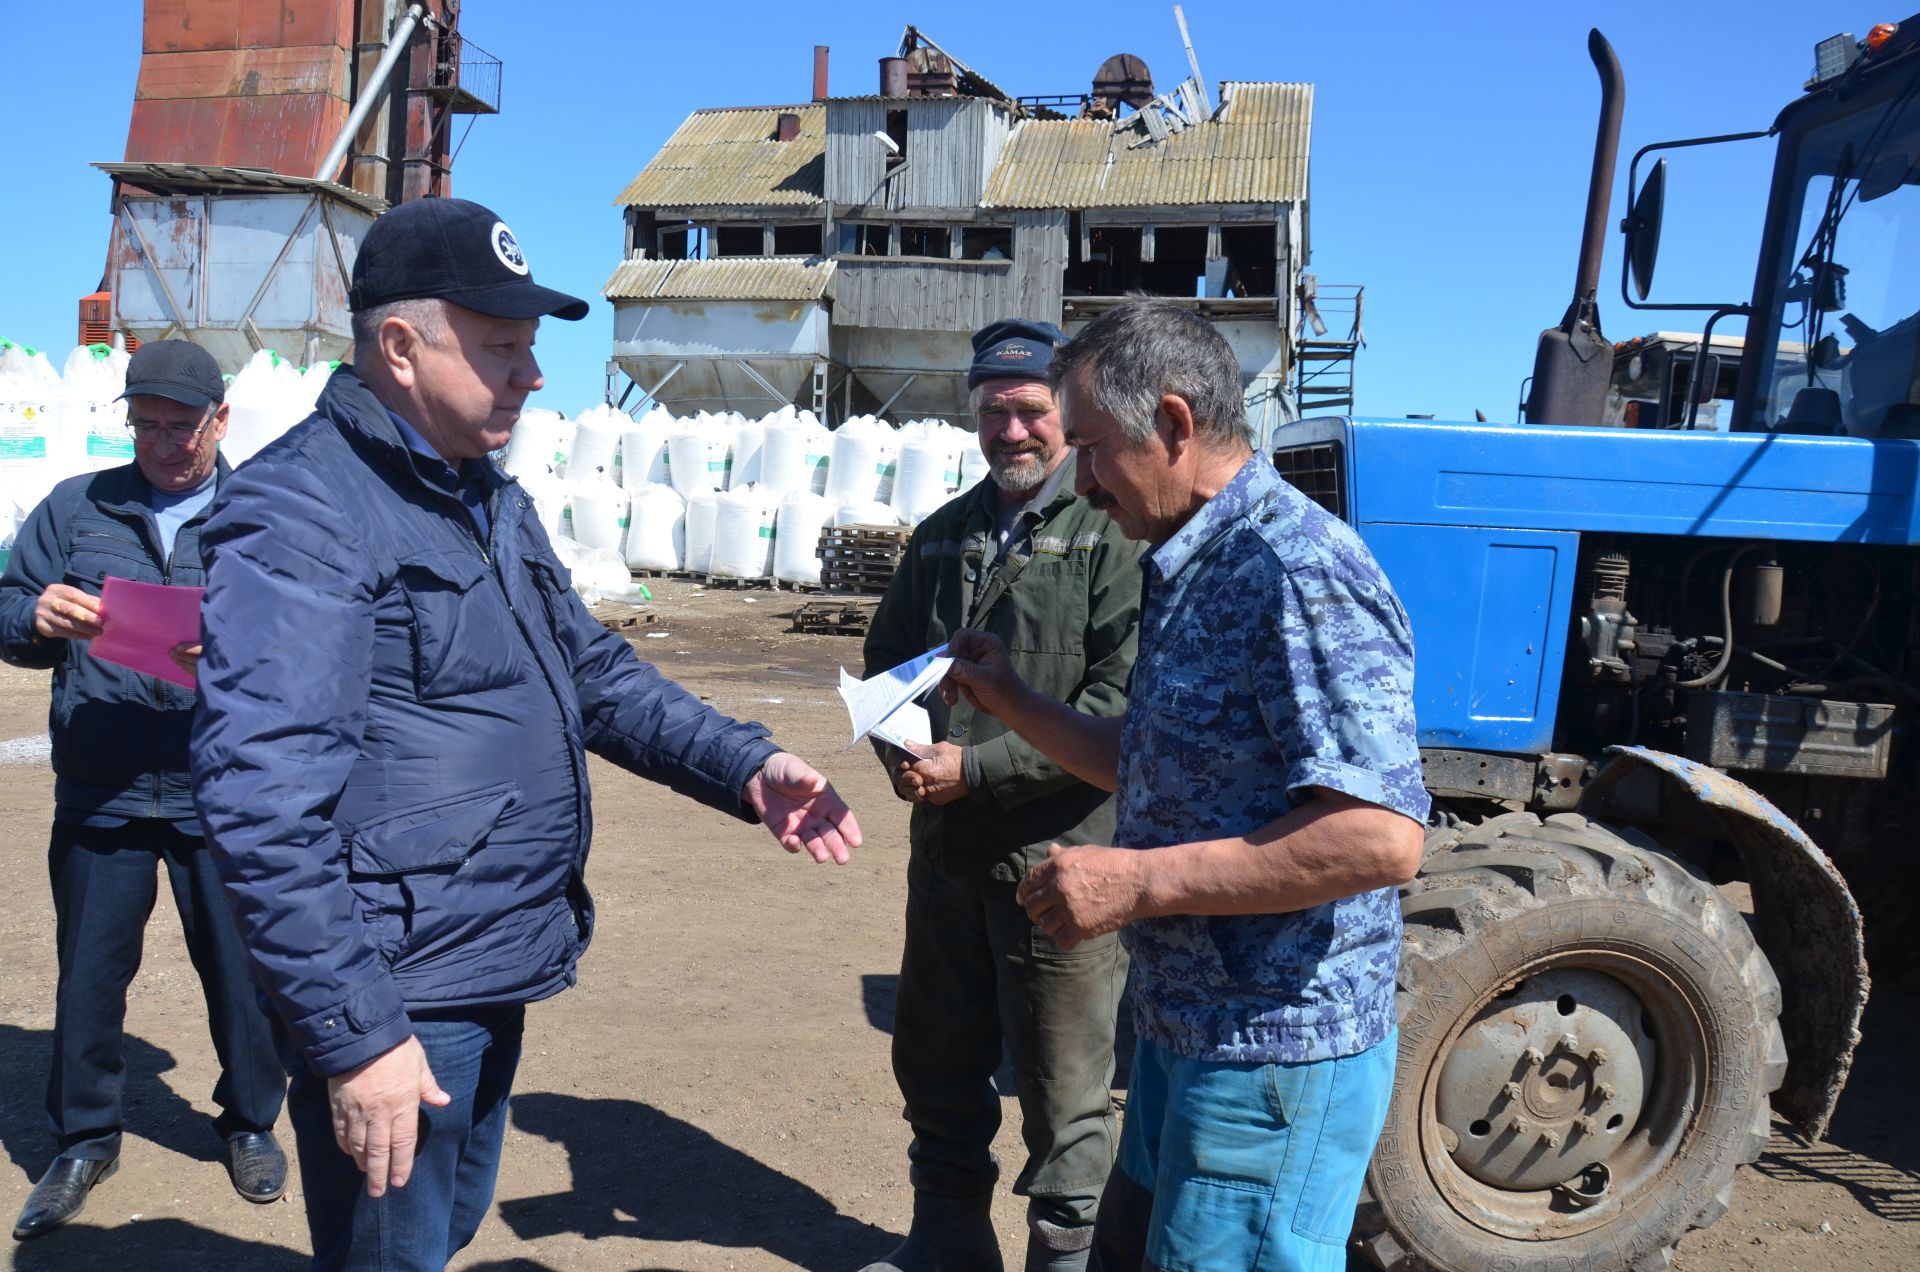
(123, 804)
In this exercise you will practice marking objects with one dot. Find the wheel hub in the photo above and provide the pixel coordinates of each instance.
(1546, 1081)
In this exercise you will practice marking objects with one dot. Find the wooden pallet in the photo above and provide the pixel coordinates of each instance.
(860, 558)
(618, 616)
(840, 616)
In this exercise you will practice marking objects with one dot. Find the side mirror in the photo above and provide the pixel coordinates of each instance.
(1642, 227)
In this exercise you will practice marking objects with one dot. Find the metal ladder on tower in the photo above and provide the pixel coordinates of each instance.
(1323, 367)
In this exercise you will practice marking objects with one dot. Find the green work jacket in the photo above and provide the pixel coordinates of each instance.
(1067, 603)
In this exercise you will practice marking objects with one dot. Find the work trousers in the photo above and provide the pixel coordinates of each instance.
(976, 974)
(419, 1226)
(105, 881)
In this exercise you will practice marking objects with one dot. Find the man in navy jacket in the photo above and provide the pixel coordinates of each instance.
(122, 807)
(399, 689)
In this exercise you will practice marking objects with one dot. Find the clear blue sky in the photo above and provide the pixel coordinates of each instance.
(1451, 143)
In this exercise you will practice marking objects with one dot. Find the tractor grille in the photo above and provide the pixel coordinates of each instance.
(1316, 472)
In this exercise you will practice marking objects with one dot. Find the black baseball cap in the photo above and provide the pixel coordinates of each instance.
(452, 250)
(176, 369)
(1013, 348)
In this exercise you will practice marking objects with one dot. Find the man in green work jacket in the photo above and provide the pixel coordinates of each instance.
(1021, 556)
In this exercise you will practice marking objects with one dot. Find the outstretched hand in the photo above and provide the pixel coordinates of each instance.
(802, 809)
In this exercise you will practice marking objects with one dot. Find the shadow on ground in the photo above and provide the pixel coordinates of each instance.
(152, 1109)
(155, 1245)
(648, 1176)
(1870, 1149)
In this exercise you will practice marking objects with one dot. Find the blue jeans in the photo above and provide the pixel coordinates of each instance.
(418, 1227)
(1241, 1167)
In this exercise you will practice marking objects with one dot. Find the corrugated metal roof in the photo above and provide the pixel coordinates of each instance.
(728, 157)
(737, 278)
(1257, 153)
(199, 178)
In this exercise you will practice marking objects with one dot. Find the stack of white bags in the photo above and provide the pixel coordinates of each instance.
(59, 424)
(727, 496)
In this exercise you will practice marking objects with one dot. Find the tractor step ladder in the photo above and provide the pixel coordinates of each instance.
(1323, 366)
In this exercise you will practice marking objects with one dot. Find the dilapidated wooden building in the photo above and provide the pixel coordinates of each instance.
(838, 254)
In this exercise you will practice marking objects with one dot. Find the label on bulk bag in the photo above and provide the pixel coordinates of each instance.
(766, 532)
(102, 447)
(23, 435)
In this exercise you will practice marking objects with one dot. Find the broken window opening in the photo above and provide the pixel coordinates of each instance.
(926, 240)
(1252, 264)
(863, 238)
(681, 241)
(797, 240)
(1179, 265)
(986, 243)
(897, 131)
(1111, 266)
(740, 240)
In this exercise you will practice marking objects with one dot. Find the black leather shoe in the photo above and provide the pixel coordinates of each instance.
(257, 1166)
(60, 1194)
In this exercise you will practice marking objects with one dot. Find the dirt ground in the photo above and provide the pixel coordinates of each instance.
(716, 1093)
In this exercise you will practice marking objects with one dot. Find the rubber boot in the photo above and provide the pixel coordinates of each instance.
(949, 1234)
(1053, 1248)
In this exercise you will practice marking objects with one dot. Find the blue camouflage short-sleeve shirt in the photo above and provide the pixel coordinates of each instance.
(1274, 657)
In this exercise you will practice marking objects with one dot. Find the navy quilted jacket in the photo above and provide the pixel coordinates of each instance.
(119, 736)
(389, 759)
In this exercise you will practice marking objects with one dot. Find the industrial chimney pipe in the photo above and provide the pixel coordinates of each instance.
(819, 72)
(364, 103)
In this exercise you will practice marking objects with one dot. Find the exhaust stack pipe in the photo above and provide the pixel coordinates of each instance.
(1574, 363)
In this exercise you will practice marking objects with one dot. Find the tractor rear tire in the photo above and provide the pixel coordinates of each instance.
(1588, 1037)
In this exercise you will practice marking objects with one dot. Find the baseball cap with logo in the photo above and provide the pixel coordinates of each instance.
(452, 250)
(176, 369)
(1013, 349)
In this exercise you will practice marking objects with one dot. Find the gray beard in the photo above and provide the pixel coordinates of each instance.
(1018, 478)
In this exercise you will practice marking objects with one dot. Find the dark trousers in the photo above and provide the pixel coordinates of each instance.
(417, 1227)
(976, 974)
(105, 882)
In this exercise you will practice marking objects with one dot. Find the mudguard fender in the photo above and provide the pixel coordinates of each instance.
(1805, 918)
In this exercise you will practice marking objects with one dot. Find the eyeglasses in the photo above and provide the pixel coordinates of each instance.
(178, 434)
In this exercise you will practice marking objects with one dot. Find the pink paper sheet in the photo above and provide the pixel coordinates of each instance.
(140, 622)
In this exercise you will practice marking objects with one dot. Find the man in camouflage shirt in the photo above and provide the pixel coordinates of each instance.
(1269, 799)
(1017, 555)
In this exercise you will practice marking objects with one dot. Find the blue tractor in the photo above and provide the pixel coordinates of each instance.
(1666, 674)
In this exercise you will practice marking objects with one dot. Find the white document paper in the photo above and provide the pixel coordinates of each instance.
(871, 701)
(910, 728)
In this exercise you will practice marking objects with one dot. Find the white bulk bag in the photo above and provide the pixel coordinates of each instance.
(92, 426)
(643, 450)
(536, 445)
(748, 441)
(697, 456)
(873, 513)
(599, 513)
(796, 537)
(743, 535)
(264, 401)
(656, 528)
(920, 478)
(703, 509)
(26, 421)
(862, 449)
(549, 495)
(596, 438)
(973, 464)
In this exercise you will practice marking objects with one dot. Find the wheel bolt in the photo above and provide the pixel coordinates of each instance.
(1550, 1138)
(1570, 1041)
(1597, 1057)
(1586, 1124)
(1607, 1092)
(1534, 1055)
(1511, 1090)
(1521, 1126)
